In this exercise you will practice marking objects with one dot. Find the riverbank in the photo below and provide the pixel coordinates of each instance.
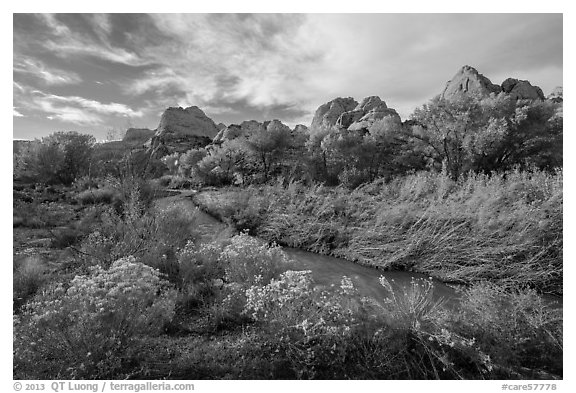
(503, 229)
(207, 302)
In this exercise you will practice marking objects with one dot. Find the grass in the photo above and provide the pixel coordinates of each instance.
(505, 228)
(28, 276)
(236, 313)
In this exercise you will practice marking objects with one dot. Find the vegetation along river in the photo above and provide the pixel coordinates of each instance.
(328, 271)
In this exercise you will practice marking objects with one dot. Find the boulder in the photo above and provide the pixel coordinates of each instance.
(234, 131)
(522, 90)
(347, 118)
(371, 103)
(327, 114)
(468, 81)
(557, 95)
(360, 117)
(372, 116)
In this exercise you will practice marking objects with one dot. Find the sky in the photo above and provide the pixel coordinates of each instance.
(94, 73)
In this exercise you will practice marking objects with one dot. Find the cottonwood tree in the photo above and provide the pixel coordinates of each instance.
(443, 127)
(489, 134)
(223, 164)
(268, 145)
(58, 158)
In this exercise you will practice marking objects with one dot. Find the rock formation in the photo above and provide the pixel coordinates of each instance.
(359, 117)
(468, 81)
(181, 130)
(372, 109)
(235, 130)
(300, 129)
(138, 135)
(326, 115)
(190, 121)
(522, 90)
(557, 95)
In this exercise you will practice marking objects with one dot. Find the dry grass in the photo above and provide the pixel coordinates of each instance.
(506, 228)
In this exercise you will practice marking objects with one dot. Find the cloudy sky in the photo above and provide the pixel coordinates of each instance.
(94, 72)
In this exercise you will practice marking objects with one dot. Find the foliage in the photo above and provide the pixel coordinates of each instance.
(504, 227)
(517, 329)
(58, 158)
(247, 260)
(28, 276)
(96, 195)
(83, 331)
(153, 236)
(489, 134)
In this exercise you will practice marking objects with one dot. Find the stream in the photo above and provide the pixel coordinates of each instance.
(328, 271)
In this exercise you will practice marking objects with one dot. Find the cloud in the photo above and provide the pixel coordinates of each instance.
(265, 66)
(259, 59)
(75, 116)
(77, 110)
(49, 76)
(15, 113)
(67, 43)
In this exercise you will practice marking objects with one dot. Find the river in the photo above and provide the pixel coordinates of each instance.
(328, 271)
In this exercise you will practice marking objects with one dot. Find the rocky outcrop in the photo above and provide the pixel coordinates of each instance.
(300, 129)
(138, 135)
(220, 126)
(190, 121)
(234, 131)
(372, 109)
(181, 130)
(522, 90)
(557, 95)
(359, 117)
(347, 118)
(327, 115)
(468, 81)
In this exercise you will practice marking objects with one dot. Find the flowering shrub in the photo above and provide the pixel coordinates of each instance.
(249, 261)
(517, 329)
(292, 301)
(84, 330)
(320, 333)
(200, 263)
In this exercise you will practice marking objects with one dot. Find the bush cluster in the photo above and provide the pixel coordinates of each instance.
(84, 331)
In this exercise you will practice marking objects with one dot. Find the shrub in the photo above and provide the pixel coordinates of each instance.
(154, 236)
(248, 260)
(321, 334)
(65, 237)
(517, 329)
(84, 331)
(200, 264)
(93, 196)
(28, 277)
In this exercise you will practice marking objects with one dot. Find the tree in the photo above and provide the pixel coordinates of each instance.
(443, 127)
(58, 158)
(268, 144)
(489, 134)
(224, 164)
(190, 159)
